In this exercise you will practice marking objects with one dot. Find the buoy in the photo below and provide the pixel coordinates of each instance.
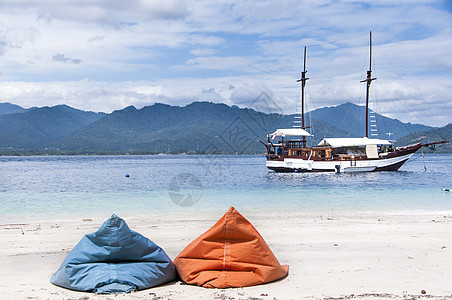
(127, 175)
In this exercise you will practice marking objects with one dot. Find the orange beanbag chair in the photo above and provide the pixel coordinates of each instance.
(230, 254)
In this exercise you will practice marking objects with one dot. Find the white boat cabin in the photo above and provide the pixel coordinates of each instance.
(345, 147)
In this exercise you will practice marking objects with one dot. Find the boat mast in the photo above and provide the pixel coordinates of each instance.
(368, 80)
(303, 84)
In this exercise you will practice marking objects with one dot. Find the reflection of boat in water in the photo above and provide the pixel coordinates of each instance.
(290, 153)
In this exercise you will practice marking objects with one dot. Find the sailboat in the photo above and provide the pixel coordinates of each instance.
(291, 154)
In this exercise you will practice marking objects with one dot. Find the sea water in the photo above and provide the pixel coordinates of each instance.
(43, 187)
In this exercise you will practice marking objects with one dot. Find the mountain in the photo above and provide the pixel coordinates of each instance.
(350, 117)
(42, 128)
(200, 127)
(9, 108)
(437, 134)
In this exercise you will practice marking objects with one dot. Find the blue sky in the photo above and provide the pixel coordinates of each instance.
(104, 55)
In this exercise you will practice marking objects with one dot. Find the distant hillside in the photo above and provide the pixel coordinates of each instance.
(41, 128)
(438, 134)
(350, 117)
(200, 127)
(9, 108)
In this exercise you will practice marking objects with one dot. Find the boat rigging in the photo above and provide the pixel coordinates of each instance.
(290, 154)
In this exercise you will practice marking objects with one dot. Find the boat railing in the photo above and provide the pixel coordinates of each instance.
(293, 144)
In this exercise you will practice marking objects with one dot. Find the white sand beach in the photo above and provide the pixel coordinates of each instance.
(369, 255)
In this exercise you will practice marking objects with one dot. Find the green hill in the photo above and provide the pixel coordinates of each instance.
(200, 127)
(438, 134)
(9, 108)
(42, 128)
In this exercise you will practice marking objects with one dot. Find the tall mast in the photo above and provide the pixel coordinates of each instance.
(303, 84)
(368, 80)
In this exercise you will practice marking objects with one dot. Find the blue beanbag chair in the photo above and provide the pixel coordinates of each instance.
(114, 259)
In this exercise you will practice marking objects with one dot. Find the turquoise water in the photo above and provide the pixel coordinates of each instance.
(45, 187)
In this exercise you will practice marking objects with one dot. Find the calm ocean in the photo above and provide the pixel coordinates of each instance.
(43, 187)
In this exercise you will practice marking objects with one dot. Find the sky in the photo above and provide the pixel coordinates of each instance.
(104, 55)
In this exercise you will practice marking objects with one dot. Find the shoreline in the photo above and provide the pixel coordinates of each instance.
(368, 254)
(212, 214)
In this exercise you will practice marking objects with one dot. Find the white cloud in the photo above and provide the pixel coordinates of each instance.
(112, 12)
(143, 51)
(202, 52)
(15, 37)
(221, 63)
